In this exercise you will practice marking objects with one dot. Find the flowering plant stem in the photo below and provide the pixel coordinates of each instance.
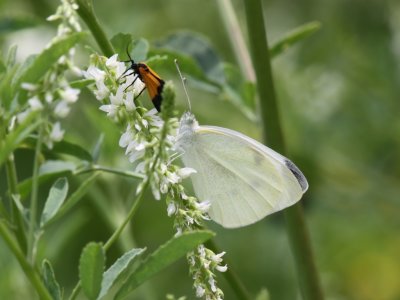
(34, 197)
(272, 133)
(87, 14)
(29, 270)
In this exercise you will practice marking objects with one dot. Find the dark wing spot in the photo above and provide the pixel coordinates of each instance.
(298, 174)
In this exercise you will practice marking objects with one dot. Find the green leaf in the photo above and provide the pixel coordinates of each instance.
(15, 138)
(91, 267)
(41, 63)
(50, 281)
(74, 198)
(162, 257)
(58, 193)
(62, 147)
(198, 47)
(111, 276)
(11, 56)
(120, 42)
(97, 148)
(293, 37)
(140, 49)
(48, 171)
(14, 23)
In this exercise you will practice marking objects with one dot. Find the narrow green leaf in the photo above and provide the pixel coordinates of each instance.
(91, 267)
(13, 140)
(162, 257)
(11, 56)
(58, 193)
(293, 37)
(111, 276)
(50, 281)
(74, 198)
(41, 63)
(97, 148)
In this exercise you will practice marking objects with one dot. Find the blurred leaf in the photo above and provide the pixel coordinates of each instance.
(293, 37)
(140, 50)
(162, 257)
(49, 170)
(50, 281)
(11, 56)
(2, 66)
(41, 63)
(22, 210)
(200, 49)
(58, 193)
(117, 269)
(97, 148)
(74, 198)
(62, 147)
(120, 42)
(21, 132)
(14, 23)
(80, 84)
(91, 267)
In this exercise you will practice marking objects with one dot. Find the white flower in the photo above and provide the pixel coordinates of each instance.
(102, 91)
(200, 291)
(70, 95)
(178, 231)
(222, 268)
(172, 177)
(29, 86)
(94, 73)
(12, 123)
(218, 257)
(110, 109)
(128, 102)
(22, 116)
(112, 62)
(126, 137)
(185, 172)
(135, 155)
(202, 251)
(57, 133)
(203, 206)
(35, 103)
(155, 190)
(117, 99)
(211, 281)
(171, 209)
(62, 109)
(48, 97)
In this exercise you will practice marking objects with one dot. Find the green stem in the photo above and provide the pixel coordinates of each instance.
(15, 213)
(86, 12)
(230, 276)
(296, 226)
(32, 275)
(34, 197)
(96, 168)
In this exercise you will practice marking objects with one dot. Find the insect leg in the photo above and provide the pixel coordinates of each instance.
(134, 80)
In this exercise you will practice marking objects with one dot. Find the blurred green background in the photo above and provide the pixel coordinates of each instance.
(340, 106)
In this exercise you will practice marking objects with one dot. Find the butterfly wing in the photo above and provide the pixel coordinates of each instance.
(154, 84)
(243, 179)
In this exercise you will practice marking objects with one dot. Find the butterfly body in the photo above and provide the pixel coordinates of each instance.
(243, 179)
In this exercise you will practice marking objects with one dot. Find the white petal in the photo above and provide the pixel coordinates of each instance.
(171, 209)
(200, 291)
(112, 61)
(186, 172)
(29, 86)
(128, 102)
(35, 103)
(57, 133)
(70, 95)
(110, 109)
(62, 109)
(222, 268)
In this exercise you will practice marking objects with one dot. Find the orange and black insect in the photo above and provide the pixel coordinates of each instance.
(151, 80)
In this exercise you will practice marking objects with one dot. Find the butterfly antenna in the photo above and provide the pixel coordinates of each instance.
(183, 83)
(127, 53)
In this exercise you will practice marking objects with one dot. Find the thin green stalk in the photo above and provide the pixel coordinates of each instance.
(30, 272)
(296, 226)
(15, 213)
(86, 12)
(95, 168)
(34, 197)
(235, 34)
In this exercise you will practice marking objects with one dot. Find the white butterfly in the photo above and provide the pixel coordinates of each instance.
(243, 179)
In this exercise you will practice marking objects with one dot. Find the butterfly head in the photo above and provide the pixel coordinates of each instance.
(187, 126)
